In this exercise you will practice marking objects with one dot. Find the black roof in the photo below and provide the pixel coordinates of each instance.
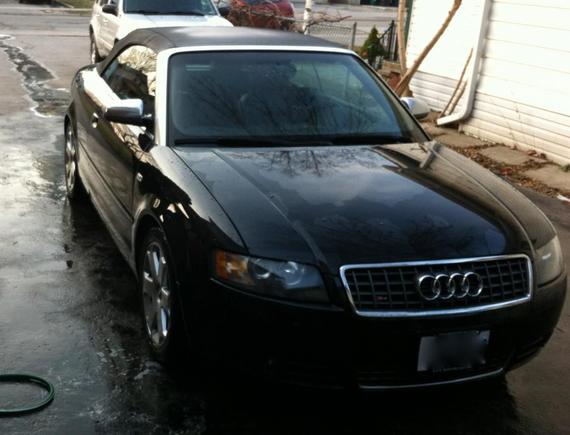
(164, 38)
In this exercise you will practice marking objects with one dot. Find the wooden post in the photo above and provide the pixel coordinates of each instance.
(406, 78)
(353, 35)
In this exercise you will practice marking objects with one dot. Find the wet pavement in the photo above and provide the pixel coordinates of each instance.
(68, 303)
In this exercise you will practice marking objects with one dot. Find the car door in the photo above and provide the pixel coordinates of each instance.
(131, 75)
(110, 26)
(97, 20)
(92, 94)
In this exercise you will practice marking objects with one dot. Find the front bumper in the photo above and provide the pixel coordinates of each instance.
(335, 348)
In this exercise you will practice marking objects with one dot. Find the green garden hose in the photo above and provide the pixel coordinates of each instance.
(28, 379)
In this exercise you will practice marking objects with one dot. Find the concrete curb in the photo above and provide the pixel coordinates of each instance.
(64, 5)
(61, 4)
(68, 9)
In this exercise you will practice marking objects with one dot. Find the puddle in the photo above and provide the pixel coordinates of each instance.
(48, 101)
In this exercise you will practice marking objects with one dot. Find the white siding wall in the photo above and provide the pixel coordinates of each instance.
(523, 95)
(438, 74)
(523, 91)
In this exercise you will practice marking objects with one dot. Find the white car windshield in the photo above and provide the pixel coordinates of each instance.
(170, 7)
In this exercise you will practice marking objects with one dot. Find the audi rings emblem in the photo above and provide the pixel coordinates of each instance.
(443, 287)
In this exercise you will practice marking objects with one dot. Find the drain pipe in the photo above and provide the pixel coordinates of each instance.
(473, 76)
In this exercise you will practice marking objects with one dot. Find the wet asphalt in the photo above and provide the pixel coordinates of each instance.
(68, 306)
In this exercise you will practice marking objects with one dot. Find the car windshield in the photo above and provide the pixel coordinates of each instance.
(170, 7)
(240, 97)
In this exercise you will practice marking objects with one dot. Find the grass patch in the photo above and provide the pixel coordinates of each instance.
(79, 4)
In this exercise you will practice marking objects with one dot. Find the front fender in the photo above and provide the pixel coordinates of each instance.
(167, 194)
(153, 210)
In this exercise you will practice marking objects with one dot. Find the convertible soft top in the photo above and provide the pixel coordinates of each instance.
(164, 38)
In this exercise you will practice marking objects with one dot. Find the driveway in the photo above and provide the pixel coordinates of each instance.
(68, 309)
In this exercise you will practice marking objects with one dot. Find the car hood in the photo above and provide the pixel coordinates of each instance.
(138, 21)
(365, 204)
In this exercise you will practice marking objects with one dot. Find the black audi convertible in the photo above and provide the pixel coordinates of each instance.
(285, 214)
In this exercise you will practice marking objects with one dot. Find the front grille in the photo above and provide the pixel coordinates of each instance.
(389, 288)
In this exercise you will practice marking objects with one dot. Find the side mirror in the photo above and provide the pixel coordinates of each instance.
(110, 9)
(129, 112)
(224, 11)
(419, 108)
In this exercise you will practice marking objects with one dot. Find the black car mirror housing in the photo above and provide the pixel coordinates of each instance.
(224, 11)
(111, 9)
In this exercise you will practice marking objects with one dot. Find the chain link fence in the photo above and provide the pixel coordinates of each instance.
(350, 36)
(340, 33)
(347, 35)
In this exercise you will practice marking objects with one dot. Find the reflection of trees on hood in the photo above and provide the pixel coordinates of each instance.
(358, 232)
(313, 161)
(427, 232)
(416, 235)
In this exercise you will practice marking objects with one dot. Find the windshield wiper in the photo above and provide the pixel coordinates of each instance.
(146, 12)
(143, 12)
(193, 12)
(261, 141)
(249, 142)
(370, 139)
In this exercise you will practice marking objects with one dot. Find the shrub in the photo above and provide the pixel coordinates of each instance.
(372, 50)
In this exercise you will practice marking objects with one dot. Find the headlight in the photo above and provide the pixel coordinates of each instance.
(549, 262)
(280, 279)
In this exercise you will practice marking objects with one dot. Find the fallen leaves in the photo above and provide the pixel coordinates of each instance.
(515, 174)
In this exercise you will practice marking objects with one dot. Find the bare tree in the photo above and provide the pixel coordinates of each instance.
(407, 76)
(250, 15)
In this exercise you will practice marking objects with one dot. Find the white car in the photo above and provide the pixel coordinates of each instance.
(112, 20)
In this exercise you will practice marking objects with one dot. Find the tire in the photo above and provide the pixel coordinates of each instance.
(158, 294)
(73, 183)
(95, 56)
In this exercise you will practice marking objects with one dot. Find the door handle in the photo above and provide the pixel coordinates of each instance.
(95, 120)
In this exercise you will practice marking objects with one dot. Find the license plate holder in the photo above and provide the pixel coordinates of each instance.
(453, 351)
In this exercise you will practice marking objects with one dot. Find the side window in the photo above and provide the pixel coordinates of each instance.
(132, 74)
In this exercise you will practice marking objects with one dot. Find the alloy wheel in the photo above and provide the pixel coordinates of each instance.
(94, 55)
(156, 295)
(70, 161)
